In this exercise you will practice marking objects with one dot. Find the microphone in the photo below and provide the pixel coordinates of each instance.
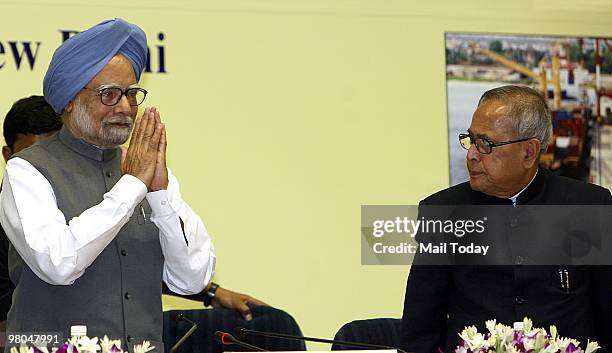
(243, 332)
(227, 339)
(193, 328)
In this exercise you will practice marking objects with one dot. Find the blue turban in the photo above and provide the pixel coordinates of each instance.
(79, 59)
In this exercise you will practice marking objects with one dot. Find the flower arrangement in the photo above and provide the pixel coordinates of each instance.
(520, 339)
(84, 344)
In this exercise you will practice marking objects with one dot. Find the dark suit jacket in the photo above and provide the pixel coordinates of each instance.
(441, 300)
(6, 286)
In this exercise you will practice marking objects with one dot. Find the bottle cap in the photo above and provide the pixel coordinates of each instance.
(78, 330)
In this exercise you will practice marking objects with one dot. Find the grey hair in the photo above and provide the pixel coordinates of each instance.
(528, 108)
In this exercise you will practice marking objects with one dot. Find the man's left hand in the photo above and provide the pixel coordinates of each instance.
(227, 299)
(160, 177)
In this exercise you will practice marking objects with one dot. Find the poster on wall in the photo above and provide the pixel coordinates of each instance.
(574, 73)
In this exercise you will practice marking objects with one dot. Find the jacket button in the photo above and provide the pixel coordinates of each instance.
(127, 295)
(130, 339)
(519, 299)
(518, 260)
(123, 252)
(109, 174)
(513, 222)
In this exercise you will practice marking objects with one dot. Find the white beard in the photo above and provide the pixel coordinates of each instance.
(106, 135)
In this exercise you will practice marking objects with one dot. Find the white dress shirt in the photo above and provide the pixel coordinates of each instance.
(59, 251)
(515, 197)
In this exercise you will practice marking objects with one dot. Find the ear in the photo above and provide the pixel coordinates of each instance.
(7, 152)
(532, 152)
(68, 107)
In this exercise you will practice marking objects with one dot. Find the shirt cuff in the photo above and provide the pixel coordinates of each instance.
(160, 204)
(130, 187)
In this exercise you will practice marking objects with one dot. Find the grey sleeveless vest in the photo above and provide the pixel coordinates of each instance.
(119, 295)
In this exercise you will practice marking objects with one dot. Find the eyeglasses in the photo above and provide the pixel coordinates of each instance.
(484, 145)
(112, 95)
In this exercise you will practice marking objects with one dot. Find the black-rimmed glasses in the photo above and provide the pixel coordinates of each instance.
(483, 145)
(112, 95)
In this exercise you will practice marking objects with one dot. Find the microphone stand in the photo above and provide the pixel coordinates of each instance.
(227, 339)
(241, 332)
(184, 338)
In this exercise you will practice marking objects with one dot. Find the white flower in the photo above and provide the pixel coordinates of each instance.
(22, 349)
(540, 341)
(474, 339)
(537, 331)
(107, 345)
(553, 332)
(552, 348)
(144, 348)
(529, 343)
(591, 347)
(510, 348)
(43, 349)
(86, 344)
(563, 343)
(506, 332)
(468, 332)
(490, 324)
(527, 324)
(493, 339)
(533, 340)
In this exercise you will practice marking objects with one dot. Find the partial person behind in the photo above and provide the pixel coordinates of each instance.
(29, 120)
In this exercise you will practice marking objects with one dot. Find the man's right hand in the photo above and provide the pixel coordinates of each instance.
(141, 155)
(227, 299)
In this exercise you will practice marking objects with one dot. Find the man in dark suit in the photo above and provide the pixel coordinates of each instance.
(510, 128)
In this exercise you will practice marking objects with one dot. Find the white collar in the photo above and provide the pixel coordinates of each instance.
(513, 198)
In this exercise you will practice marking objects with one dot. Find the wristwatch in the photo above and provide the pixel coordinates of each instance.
(210, 293)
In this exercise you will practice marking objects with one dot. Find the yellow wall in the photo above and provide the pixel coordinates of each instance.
(285, 116)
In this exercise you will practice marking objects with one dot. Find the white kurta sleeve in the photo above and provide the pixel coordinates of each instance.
(189, 258)
(57, 251)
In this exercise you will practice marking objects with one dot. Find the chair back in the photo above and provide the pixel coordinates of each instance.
(383, 331)
(265, 318)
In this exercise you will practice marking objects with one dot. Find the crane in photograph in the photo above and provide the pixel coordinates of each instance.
(539, 77)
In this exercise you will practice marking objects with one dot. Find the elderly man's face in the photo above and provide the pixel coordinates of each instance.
(502, 172)
(99, 124)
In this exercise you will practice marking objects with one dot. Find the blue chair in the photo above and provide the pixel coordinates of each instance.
(265, 318)
(384, 332)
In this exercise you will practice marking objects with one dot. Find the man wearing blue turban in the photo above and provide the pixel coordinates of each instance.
(94, 231)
